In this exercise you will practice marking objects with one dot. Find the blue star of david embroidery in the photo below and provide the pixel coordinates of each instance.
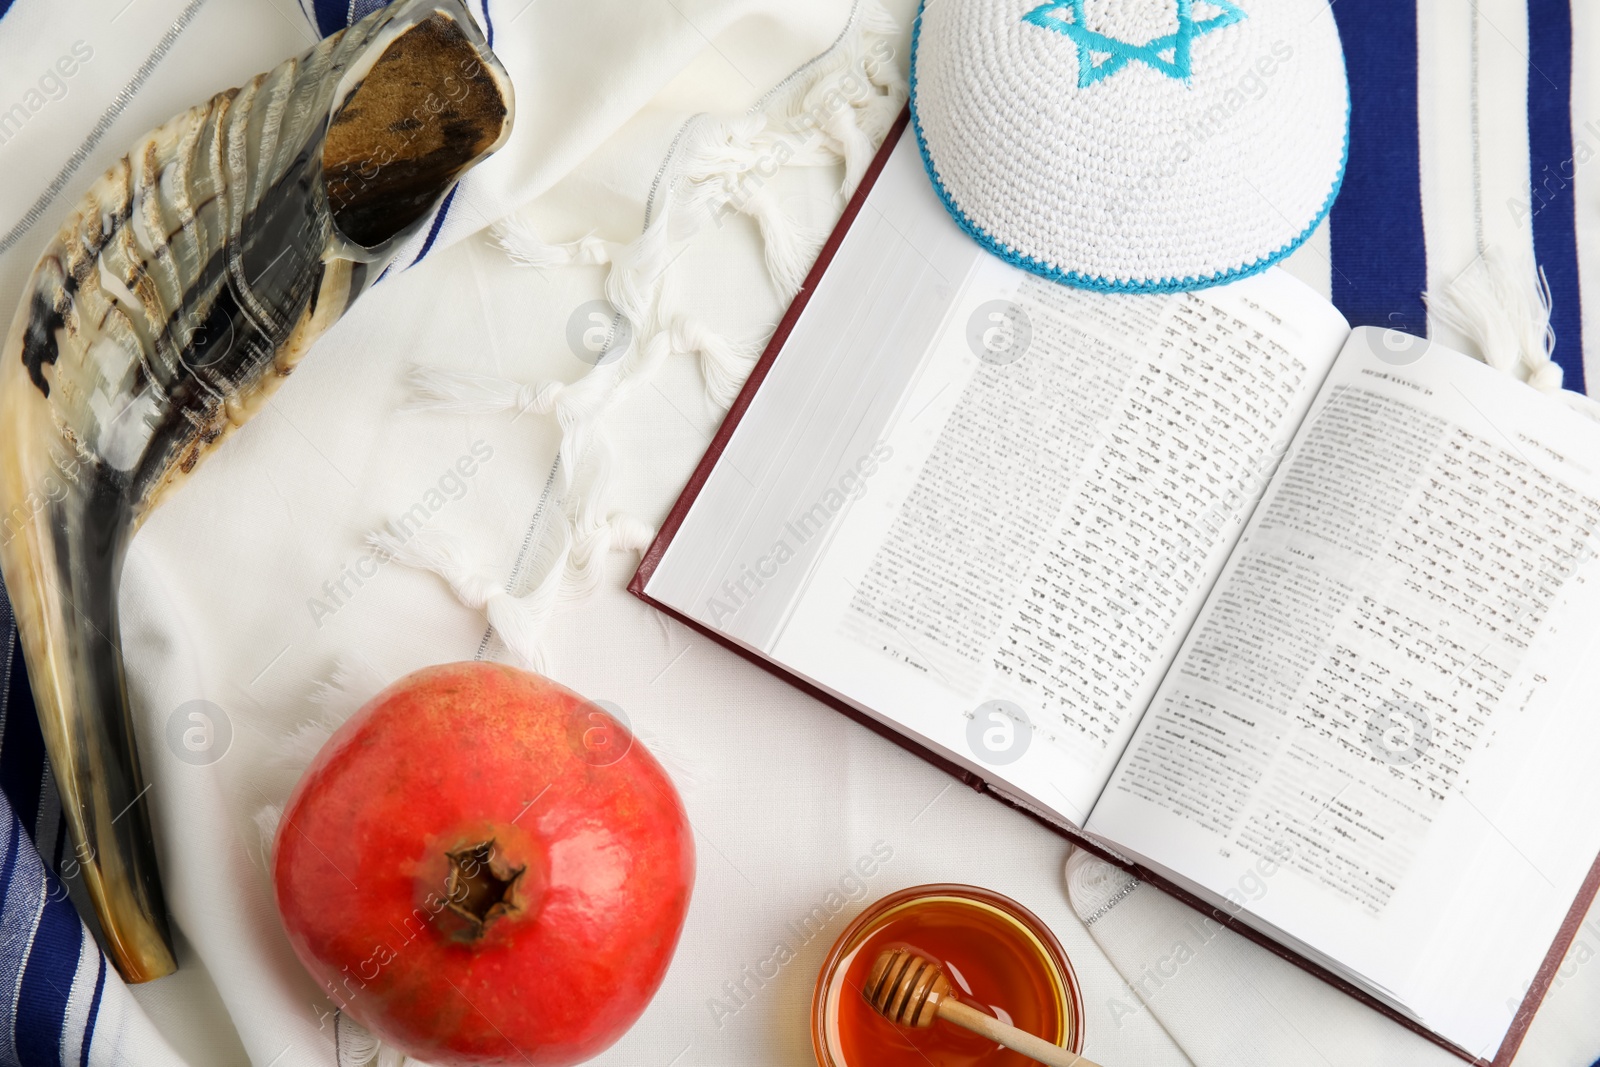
(1100, 56)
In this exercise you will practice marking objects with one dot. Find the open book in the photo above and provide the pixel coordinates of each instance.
(1299, 621)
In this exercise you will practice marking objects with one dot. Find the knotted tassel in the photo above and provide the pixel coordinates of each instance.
(724, 362)
(595, 533)
(791, 248)
(590, 549)
(465, 393)
(1503, 306)
(518, 620)
(526, 248)
(637, 267)
(636, 370)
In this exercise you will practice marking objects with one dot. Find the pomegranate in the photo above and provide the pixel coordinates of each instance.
(482, 867)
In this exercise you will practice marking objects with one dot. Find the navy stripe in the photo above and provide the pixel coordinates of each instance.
(1380, 266)
(488, 24)
(22, 749)
(438, 221)
(13, 846)
(5, 5)
(94, 1012)
(331, 15)
(10, 867)
(47, 979)
(61, 844)
(1552, 165)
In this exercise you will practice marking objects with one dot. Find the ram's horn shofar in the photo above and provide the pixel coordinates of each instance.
(189, 281)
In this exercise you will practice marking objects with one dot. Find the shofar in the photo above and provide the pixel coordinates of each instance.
(188, 283)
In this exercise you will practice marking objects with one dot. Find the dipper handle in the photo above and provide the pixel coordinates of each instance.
(911, 990)
(953, 1011)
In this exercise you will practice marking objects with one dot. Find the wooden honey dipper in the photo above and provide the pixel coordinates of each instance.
(911, 990)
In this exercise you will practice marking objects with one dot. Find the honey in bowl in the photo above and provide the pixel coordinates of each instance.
(999, 957)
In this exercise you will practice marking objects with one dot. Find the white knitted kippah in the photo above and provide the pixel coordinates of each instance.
(1139, 145)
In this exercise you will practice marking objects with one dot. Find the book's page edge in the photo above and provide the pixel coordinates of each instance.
(780, 336)
(1523, 1020)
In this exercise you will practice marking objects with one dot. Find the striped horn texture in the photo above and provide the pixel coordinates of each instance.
(188, 282)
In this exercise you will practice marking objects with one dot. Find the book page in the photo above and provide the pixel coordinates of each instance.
(810, 445)
(1381, 698)
(983, 507)
(1017, 578)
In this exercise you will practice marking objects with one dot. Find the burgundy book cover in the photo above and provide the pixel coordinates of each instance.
(658, 548)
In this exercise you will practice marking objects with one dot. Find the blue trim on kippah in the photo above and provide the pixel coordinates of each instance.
(1100, 283)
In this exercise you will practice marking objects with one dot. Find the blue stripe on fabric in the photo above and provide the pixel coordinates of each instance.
(1380, 260)
(15, 923)
(22, 749)
(331, 15)
(433, 231)
(5, 5)
(1553, 166)
(94, 1012)
(488, 24)
(9, 868)
(47, 979)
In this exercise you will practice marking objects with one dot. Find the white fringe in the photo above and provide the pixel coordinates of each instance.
(356, 1045)
(595, 532)
(516, 619)
(526, 248)
(636, 272)
(724, 363)
(835, 108)
(861, 72)
(791, 248)
(464, 393)
(1503, 306)
(267, 820)
(303, 743)
(354, 681)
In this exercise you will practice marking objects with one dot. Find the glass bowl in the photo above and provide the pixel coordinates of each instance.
(996, 953)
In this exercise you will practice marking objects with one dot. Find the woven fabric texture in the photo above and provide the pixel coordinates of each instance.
(1133, 146)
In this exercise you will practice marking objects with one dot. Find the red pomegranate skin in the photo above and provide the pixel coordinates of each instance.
(472, 872)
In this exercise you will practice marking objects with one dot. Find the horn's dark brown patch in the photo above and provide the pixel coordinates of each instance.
(421, 116)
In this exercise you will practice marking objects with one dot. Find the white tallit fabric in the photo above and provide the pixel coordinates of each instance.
(256, 584)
